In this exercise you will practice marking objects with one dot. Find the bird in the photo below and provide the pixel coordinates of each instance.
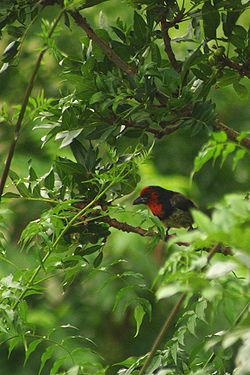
(171, 207)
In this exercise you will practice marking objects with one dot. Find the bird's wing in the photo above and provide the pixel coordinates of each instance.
(180, 201)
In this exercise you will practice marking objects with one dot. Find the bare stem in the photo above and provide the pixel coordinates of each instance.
(162, 332)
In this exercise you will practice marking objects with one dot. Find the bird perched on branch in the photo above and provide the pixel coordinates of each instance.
(171, 207)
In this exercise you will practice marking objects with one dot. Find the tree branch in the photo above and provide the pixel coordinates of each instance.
(124, 227)
(111, 55)
(165, 26)
(23, 110)
(243, 69)
(127, 227)
(232, 134)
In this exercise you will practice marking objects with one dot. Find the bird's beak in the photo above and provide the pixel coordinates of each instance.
(140, 200)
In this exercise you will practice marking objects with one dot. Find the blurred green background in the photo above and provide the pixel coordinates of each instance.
(88, 303)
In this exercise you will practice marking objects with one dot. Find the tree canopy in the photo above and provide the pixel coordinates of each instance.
(99, 99)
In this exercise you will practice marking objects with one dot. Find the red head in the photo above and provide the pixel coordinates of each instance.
(153, 197)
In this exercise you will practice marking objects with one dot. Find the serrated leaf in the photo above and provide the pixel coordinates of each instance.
(138, 315)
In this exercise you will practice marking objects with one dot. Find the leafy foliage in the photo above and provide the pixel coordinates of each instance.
(129, 83)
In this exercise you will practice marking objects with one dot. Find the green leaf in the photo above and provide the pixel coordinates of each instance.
(98, 260)
(11, 195)
(200, 310)
(206, 154)
(229, 21)
(174, 350)
(10, 51)
(169, 290)
(15, 31)
(190, 61)
(239, 154)
(240, 90)
(79, 151)
(239, 37)
(211, 20)
(45, 357)
(228, 149)
(220, 269)
(13, 343)
(138, 315)
(191, 324)
(21, 187)
(49, 180)
(91, 250)
(140, 28)
(203, 222)
(155, 54)
(56, 366)
(31, 348)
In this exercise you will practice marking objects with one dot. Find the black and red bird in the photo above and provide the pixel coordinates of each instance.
(171, 207)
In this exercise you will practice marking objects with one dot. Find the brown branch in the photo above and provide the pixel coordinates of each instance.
(111, 55)
(167, 43)
(232, 134)
(243, 69)
(127, 227)
(23, 110)
(124, 227)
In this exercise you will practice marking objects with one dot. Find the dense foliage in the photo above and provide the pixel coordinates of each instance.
(99, 98)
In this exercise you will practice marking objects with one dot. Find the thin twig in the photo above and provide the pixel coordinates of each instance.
(162, 332)
(111, 54)
(23, 110)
